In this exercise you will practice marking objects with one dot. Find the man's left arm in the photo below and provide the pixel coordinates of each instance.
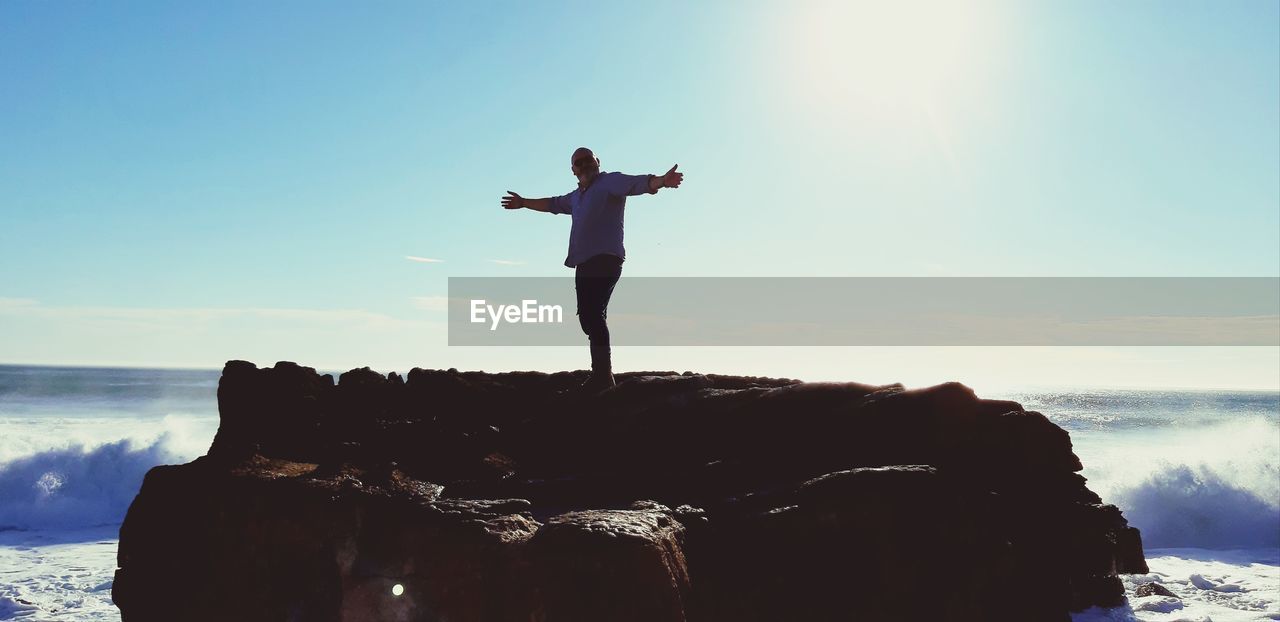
(631, 185)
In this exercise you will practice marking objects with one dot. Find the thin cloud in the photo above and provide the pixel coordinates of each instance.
(423, 259)
(16, 303)
(431, 303)
(507, 262)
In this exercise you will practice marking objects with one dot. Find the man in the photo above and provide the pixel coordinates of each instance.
(595, 244)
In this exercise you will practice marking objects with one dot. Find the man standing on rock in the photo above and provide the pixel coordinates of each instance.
(595, 244)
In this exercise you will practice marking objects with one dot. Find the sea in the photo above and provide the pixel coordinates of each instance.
(1198, 471)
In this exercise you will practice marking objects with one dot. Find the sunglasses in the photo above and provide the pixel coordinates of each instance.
(585, 162)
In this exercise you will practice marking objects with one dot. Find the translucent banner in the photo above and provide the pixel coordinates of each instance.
(851, 311)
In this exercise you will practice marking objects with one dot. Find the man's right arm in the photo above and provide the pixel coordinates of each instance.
(538, 205)
(551, 205)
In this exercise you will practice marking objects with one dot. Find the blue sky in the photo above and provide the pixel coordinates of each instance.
(182, 182)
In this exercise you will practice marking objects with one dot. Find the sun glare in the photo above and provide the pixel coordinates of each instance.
(881, 60)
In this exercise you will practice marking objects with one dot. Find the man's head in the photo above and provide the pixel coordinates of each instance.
(584, 164)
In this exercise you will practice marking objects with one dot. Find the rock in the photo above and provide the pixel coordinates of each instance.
(1153, 589)
(272, 540)
(622, 565)
(496, 497)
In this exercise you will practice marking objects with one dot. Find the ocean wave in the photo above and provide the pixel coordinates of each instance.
(1213, 487)
(79, 485)
(1196, 506)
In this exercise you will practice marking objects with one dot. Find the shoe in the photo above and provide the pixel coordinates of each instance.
(598, 382)
(601, 371)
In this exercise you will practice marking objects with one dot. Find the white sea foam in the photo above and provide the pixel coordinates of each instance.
(58, 575)
(83, 481)
(65, 485)
(1207, 486)
(1231, 585)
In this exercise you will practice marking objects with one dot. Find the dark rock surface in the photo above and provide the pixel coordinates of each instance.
(1153, 589)
(672, 497)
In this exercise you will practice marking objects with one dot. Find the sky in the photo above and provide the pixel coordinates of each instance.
(187, 183)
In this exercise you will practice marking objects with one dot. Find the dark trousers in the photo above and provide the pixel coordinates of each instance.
(593, 280)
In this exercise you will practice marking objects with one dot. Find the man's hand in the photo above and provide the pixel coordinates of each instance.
(514, 201)
(672, 179)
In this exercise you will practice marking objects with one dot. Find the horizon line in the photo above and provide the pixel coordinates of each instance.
(336, 370)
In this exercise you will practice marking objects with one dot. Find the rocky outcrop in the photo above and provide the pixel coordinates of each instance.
(672, 497)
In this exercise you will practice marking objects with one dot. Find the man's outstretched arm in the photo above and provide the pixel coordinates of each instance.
(515, 201)
(631, 185)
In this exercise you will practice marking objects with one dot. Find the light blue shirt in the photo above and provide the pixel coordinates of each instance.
(597, 214)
